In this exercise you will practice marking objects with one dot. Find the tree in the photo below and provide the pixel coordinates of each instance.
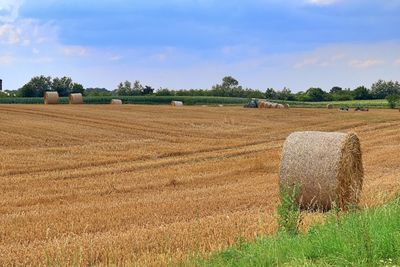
(341, 95)
(97, 92)
(62, 85)
(361, 93)
(285, 94)
(335, 89)
(137, 88)
(392, 100)
(229, 82)
(36, 87)
(381, 89)
(270, 93)
(77, 88)
(147, 90)
(316, 94)
(124, 89)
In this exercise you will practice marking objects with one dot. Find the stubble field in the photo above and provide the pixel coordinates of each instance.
(150, 185)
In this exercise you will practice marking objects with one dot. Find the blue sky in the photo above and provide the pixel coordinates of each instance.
(194, 43)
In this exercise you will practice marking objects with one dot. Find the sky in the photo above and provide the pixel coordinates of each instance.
(195, 43)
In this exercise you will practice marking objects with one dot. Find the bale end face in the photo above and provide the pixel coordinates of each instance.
(51, 97)
(176, 103)
(326, 166)
(76, 99)
(116, 102)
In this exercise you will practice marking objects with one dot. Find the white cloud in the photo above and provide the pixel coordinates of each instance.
(9, 34)
(9, 10)
(322, 2)
(6, 59)
(75, 51)
(115, 58)
(365, 63)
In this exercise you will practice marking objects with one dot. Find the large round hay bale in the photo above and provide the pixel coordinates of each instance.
(76, 98)
(286, 105)
(116, 102)
(326, 166)
(262, 104)
(51, 98)
(177, 103)
(280, 106)
(329, 106)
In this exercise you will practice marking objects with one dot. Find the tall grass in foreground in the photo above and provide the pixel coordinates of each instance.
(361, 238)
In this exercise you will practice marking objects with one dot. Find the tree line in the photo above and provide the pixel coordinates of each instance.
(229, 87)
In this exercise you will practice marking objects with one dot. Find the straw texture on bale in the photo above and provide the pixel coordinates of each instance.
(329, 106)
(262, 104)
(274, 105)
(116, 102)
(327, 167)
(76, 99)
(51, 98)
(177, 103)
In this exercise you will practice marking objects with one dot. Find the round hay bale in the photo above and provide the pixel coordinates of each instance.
(76, 98)
(280, 106)
(326, 166)
(262, 104)
(177, 103)
(286, 105)
(274, 105)
(329, 106)
(116, 102)
(51, 97)
(269, 105)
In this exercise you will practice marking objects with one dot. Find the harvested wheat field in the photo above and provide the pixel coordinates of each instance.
(139, 185)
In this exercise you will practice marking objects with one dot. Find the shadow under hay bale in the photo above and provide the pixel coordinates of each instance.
(76, 99)
(327, 167)
(116, 102)
(51, 98)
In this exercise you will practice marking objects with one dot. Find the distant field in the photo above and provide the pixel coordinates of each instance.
(198, 100)
(138, 185)
(379, 103)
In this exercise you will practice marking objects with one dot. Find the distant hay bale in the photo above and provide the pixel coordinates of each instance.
(274, 105)
(51, 98)
(177, 103)
(286, 105)
(76, 98)
(329, 106)
(280, 106)
(326, 166)
(116, 102)
(262, 104)
(220, 105)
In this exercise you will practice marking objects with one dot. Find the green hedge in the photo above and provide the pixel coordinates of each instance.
(149, 100)
(379, 103)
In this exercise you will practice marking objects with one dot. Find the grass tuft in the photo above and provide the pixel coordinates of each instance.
(362, 238)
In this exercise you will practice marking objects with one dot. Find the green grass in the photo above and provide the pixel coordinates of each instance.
(362, 238)
(150, 100)
(378, 103)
